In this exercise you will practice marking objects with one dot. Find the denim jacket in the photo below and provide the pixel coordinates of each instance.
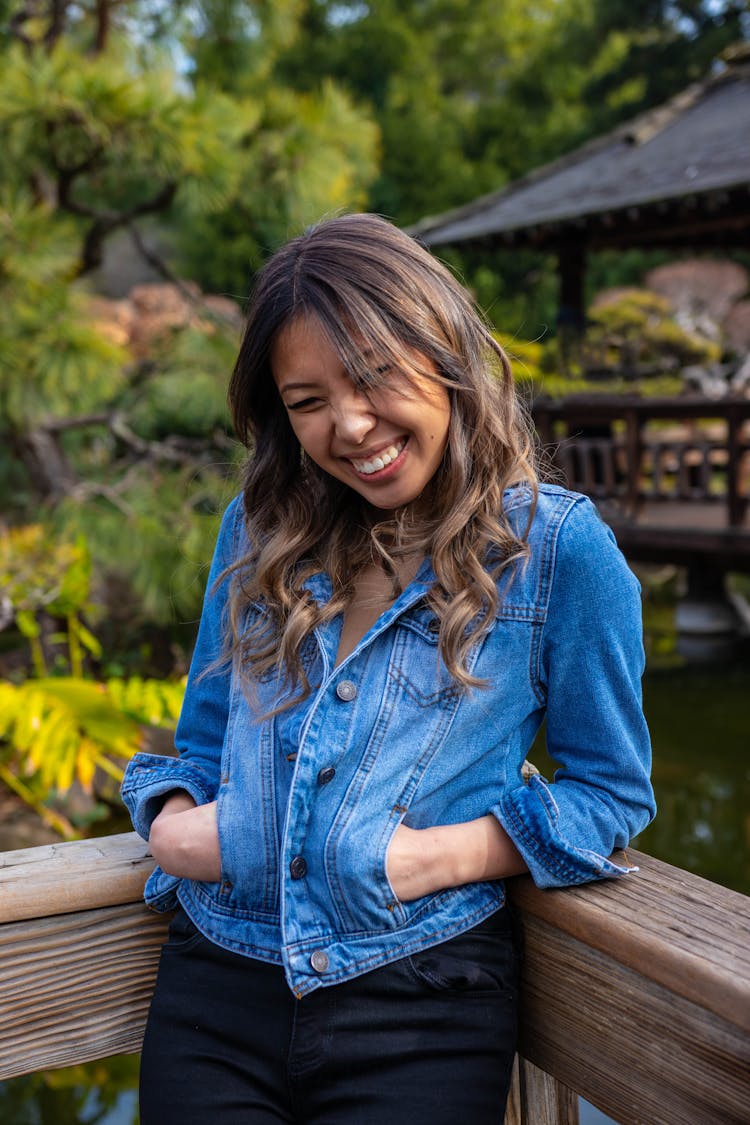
(386, 737)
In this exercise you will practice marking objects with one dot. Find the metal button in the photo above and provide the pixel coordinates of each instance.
(298, 867)
(327, 774)
(346, 691)
(319, 961)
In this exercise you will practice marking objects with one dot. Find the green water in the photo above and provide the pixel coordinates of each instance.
(699, 720)
(700, 724)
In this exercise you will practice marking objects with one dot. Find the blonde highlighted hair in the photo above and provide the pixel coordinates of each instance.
(376, 293)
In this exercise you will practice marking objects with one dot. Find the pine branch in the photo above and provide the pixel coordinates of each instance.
(107, 222)
(16, 22)
(56, 28)
(157, 263)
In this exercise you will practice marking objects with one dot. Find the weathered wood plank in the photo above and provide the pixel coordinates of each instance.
(636, 991)
(631, 1047)
(67, 877)
(674, 928)
(76, 987)
(678, 929)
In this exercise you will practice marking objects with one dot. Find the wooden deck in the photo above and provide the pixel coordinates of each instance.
(688, 533)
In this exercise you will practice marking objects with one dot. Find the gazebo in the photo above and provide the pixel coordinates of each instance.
(675, 177)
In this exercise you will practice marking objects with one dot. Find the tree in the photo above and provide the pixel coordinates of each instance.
(108, 121)
(469, 96)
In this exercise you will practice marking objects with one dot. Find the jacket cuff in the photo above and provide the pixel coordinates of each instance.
(530, 816)
(149, 777)
(160, 891)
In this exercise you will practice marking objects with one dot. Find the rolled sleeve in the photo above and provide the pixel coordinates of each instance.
(590, 663)
(150, 777)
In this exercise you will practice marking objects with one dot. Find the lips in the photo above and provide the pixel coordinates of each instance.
(381, 460)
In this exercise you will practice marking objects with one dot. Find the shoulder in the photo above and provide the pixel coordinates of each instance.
(569, 542)
(232, 540)
(553, 509)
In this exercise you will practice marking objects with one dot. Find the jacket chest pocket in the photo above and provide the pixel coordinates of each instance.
(416, 667)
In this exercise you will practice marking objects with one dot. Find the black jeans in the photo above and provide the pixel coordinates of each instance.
(427, 1040)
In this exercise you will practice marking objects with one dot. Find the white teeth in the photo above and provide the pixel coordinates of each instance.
(379, 462)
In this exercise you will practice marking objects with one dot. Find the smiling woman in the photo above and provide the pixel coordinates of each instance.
(384, 440)
(394, 606)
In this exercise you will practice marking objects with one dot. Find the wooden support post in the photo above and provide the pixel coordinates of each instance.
(571, 316)
(537, 1098)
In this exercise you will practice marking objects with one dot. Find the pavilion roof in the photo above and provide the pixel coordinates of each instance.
(675, 175)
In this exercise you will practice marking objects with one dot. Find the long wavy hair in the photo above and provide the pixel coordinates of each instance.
(376, 293)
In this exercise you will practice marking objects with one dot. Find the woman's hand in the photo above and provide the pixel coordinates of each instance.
(184, 839)
(423, 860)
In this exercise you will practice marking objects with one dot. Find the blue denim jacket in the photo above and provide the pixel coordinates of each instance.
(386, 737)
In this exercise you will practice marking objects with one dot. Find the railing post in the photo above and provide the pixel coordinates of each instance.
(634, 451)
(536, 1098)
(544, 428)
(735, 500)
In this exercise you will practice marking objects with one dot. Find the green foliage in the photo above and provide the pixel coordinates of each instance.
(157, 541)
(467, 101)
(57, 731)
(636, 334)
(526, 356)
(111, 133)
(188, 394)
(38, 577)
(52, 357)
(189, 403)
(311, 154)
(79, 1095)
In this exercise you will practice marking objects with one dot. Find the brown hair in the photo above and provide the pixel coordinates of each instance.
(374, 290)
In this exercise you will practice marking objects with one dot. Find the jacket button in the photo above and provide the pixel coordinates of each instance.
(326, 775)
(298, 867)
(346, 691)
(319, 961)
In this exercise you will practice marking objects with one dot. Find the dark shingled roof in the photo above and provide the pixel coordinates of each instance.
(678, 174)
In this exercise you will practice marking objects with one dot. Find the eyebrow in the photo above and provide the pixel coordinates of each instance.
(296, 386)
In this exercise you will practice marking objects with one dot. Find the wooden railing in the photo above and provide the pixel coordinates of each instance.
(631, 450)
(636, 991)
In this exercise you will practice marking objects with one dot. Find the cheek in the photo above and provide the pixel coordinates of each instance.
(303, 432)
(440, 427)
(314, 441)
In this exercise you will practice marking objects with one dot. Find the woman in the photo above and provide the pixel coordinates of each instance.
(394, 606)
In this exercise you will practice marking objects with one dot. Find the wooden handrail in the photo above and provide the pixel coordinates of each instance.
(636, 991)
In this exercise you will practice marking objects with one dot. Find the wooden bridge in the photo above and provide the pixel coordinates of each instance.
(670, 475)
(636, 992)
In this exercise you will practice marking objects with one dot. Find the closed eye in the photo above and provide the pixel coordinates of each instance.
(303, 404)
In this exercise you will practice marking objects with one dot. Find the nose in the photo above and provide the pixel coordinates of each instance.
(354, 417)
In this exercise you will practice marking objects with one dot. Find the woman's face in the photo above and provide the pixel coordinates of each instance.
(386, 442)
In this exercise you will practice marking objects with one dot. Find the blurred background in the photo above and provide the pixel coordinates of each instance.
(583, 165)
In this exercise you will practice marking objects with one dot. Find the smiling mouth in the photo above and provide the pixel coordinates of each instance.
(383, 459)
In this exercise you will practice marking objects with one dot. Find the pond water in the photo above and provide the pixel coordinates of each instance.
(700, 724)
